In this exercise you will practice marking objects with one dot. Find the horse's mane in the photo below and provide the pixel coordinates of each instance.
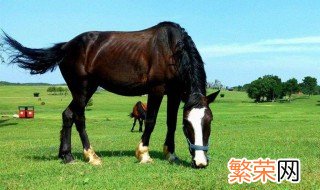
(191, 67)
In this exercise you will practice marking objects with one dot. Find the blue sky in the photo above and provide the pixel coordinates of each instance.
(238, 40)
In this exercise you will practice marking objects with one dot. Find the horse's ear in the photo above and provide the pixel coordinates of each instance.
(212, 97)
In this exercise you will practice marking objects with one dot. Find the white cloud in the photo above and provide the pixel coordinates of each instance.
(304, 44)
(292, 41)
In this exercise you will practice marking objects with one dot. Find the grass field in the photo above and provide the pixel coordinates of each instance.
(29, 147)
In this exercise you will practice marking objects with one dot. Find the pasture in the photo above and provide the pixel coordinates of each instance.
(29, 147)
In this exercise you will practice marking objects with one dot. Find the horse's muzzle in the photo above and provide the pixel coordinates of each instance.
(201, 165)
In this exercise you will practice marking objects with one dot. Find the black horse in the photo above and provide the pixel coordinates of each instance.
(156, 61)
(139, 112)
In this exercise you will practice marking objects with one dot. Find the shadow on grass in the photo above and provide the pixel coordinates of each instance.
(136, 131)
(43, 157)
(131, 153)
(102, 154)
(3, 123)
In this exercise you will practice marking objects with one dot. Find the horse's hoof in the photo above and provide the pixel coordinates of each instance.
(66, 158)
(142, 154)
(146, 160)
(171, 157)
(91, 157)
(96, 162)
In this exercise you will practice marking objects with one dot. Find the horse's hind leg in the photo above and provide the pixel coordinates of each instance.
(134, 124)
(140, 124)
(172, 111)
(65, 136)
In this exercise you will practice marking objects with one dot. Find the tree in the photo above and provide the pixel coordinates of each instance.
(66, 90)
(217, 84)
(254, 90)
(60, 90)
(51, 90)
(290, 87)
(268, 88)
(238, 88)
(245, 87)
(309, 85)
(273, 87)
(318, 90)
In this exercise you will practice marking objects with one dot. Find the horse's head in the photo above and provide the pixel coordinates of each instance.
(197, 126)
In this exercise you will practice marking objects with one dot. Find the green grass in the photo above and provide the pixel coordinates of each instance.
(29, 147)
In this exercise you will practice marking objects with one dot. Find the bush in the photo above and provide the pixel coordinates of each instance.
(221, 95)
(90, 103)
(52, 90)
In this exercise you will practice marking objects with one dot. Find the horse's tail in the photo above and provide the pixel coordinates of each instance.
(38, 61)
(131, 115)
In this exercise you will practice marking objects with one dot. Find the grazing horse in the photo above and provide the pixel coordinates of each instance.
(161, 60)
(139, 112)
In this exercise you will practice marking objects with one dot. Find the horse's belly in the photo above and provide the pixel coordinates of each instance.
(125, 89)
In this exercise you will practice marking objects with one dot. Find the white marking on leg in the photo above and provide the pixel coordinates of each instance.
(195, 118)
(142, 154)
(91, 156)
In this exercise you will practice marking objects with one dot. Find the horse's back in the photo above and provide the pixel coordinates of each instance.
(139, 110)
(126, 63)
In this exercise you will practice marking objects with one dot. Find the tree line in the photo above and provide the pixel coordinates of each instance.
(53, 90)
(5, 83)
(271, 88)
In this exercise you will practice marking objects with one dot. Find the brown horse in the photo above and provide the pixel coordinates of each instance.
(139, 112)
(156, 61)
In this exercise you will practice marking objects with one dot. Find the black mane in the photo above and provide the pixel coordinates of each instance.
(191, 68)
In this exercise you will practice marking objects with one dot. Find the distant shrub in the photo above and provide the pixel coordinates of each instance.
(43, 103)
(221, 95)
(90, 103)
(36, 94)
(52, 90)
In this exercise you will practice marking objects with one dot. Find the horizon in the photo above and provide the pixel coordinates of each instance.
(238, 41)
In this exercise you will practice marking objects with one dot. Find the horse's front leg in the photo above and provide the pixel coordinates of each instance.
(88, 152)
(172, 112)
(81, 100)
(142, 151)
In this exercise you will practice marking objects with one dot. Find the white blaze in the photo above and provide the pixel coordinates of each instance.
(195, 118)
